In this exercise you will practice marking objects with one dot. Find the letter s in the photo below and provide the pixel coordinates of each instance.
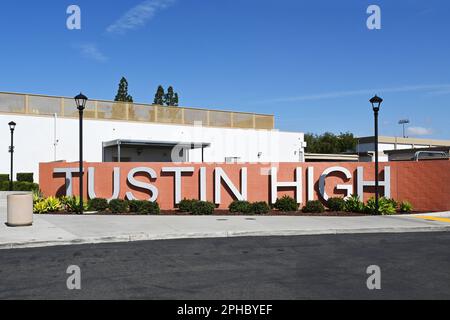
(143, 185)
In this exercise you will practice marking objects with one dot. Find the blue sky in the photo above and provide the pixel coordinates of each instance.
(314, 64)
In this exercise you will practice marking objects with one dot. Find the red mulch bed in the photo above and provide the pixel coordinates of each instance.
(227, 213)
(270, 213)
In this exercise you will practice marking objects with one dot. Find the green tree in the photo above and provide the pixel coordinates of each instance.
(330, 143)
(122, 98)
(171, 98)
(168, 97)
(347, 142)
(122, 92)
(159, 96)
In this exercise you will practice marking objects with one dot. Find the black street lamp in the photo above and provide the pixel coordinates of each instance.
(376, 103)
(12, 126)
(80, 101)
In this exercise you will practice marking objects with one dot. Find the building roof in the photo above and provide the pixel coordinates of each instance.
(414, 150)
(433, 153)
(131, 142)
(331, 157)
(401, 140)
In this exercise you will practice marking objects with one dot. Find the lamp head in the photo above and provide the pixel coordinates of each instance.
(376, 103)
(12, 125)
(80, 101)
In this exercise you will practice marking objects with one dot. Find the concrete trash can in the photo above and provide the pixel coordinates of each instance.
(20, 210)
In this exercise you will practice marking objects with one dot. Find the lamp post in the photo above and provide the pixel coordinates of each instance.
(80, 101)
(12, 126)
(376, 103)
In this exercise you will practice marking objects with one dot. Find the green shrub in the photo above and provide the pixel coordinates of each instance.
(240, 206)
(4, 177)
(314, 206)
(72, 204)
(98, 204)
(19, 186)
(40, 207)
(50, 204)
(385, 206)
(150, 208)
(203, 208)
(353, 204)
(406, 207)
(144, 207)
(53, 204)
(25, 177)
(260, 207)
(37, 196)
(394, 203)
(336, 204)
(186, 205)
(118, 206)
(286, 204)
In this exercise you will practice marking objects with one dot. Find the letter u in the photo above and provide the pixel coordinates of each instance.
(91, 183)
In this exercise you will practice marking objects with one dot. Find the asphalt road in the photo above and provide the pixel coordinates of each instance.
(413, 266)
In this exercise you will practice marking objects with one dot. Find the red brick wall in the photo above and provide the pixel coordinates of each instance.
(425, 184)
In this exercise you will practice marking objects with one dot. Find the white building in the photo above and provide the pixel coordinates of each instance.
(47, 130)
(367, 145)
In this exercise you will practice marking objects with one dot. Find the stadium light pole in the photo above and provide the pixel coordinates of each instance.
(12, 126)
(403, 122)
(376, 103)
(80, 101)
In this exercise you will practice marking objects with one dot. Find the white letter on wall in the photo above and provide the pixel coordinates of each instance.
(177, 171)
(310, 183)
(141, 184)
(68, 172)
(202, 178)
(74, 20)
(220, 175)
(386, 183)
(91, 183)
(297, 184)
(348, 188)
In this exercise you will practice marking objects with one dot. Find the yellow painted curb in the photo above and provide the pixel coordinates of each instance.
(433, 218)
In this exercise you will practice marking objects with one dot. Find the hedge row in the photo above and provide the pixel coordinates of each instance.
(196, 207)
(21, 177)
(124, 206)
(19, 186)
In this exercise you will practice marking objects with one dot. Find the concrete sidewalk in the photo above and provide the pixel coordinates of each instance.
(51, 230)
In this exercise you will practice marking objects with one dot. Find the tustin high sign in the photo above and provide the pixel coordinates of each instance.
(221, 183)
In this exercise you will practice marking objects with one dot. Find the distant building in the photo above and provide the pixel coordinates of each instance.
(366, 146)
(419, 154)
(47, 130)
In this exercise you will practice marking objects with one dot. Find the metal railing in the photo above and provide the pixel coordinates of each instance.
(30, 104)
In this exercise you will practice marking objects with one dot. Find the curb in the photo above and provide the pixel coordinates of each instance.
(224, 234)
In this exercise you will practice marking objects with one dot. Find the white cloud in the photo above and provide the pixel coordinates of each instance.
(419, 131)
(342, 94)
(138, 16)
(91, 51)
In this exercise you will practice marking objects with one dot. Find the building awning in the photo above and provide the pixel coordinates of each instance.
(155, 143)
